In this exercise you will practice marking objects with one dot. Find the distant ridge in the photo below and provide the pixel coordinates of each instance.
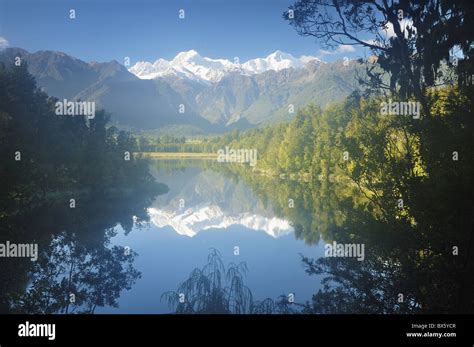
(215, 95)
(191, 65)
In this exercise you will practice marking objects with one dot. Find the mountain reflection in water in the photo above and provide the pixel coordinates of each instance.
(147, 254)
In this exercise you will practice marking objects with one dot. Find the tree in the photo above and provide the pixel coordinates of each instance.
(410, 39)
(217, 289)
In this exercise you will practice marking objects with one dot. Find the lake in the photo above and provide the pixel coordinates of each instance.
(223, 238)
(206, 210)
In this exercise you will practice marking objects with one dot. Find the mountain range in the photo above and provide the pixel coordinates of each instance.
(200, 93)
(190, 65)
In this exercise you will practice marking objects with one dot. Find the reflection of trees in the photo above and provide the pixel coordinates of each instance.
(316, 206)
(371, 285)
(412, 247)
(74, 240)
(422, 250)
(398, 260)
(64, 157)
(409, 251)
(402, 257)
(217, 289)
(70, 278)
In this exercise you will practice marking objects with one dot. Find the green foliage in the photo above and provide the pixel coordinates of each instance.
(409, 248)
(59, 153)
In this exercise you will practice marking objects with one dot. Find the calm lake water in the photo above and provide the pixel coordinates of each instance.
(206, 210)
(139, 251)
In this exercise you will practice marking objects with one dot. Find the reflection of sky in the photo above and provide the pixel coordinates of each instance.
(166, 257)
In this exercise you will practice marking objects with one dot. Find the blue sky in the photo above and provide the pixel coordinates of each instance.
(146, 30)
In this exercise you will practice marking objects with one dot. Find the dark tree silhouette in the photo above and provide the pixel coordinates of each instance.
(411, 39)
(217, 289)
(70, 278)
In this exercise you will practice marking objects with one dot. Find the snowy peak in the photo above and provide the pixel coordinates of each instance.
(193, 66)
(193, 220)
(186, 56)
(276, 61)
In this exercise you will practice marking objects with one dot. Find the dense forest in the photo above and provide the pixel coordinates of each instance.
(49, 153)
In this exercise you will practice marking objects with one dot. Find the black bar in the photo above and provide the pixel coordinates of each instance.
(321, 329)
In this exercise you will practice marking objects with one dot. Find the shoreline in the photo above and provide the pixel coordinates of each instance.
(176, 155)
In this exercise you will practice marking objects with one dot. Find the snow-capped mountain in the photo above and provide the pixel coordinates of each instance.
(276, 61)
(191, 65)
(186, 64)
(191, 221)
(218, 94)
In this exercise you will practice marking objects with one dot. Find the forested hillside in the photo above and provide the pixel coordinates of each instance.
(47, 155)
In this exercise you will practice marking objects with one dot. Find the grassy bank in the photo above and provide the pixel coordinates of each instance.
(177, 155)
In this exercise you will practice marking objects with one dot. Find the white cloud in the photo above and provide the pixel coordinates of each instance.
(339, 50)
(3, 43)
(345, 49)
